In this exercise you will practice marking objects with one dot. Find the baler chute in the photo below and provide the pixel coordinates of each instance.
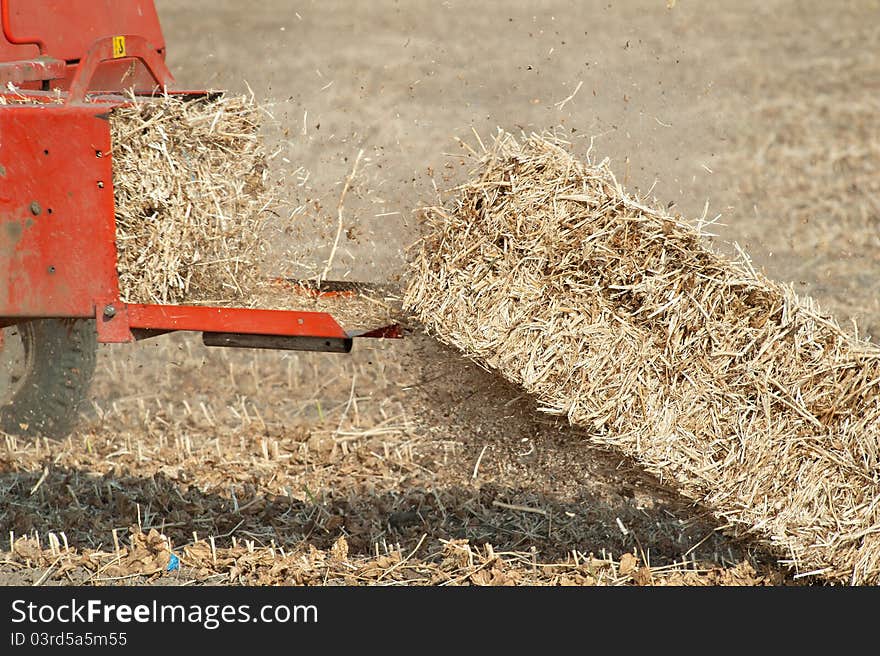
(63, 68)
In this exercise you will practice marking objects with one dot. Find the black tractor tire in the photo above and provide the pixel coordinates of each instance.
(60, 357)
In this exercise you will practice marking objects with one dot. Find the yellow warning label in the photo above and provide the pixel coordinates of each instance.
(118, 47)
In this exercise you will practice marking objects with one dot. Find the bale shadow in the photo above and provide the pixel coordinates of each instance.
(88, 508)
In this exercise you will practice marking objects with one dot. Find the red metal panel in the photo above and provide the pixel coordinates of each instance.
(11, 47)
(66, 29)
(14, 52)
(57, 227)
(234, 320)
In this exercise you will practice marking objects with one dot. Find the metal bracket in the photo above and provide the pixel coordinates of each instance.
(279, 342)
(31, 70)
(107, 49)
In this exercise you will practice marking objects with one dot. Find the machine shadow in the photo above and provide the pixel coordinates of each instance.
(87, 508)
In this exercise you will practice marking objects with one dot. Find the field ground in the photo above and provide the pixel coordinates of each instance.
(403, 463)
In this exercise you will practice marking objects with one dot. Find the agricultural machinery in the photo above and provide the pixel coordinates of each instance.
(68, 65)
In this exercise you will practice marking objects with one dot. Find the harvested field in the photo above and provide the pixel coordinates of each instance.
(760, 111)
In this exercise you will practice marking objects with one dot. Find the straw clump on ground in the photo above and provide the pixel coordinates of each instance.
(621, 317)
(191, 192)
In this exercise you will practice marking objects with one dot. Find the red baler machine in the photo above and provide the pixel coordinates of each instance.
(59, 291)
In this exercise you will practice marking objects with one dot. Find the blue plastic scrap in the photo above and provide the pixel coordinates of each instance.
(173, 563)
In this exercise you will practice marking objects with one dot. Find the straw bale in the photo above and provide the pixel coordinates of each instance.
(623, 318)
(191, 192)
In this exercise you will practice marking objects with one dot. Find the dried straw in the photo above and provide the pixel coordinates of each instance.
(190, 184)
(621, 317)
